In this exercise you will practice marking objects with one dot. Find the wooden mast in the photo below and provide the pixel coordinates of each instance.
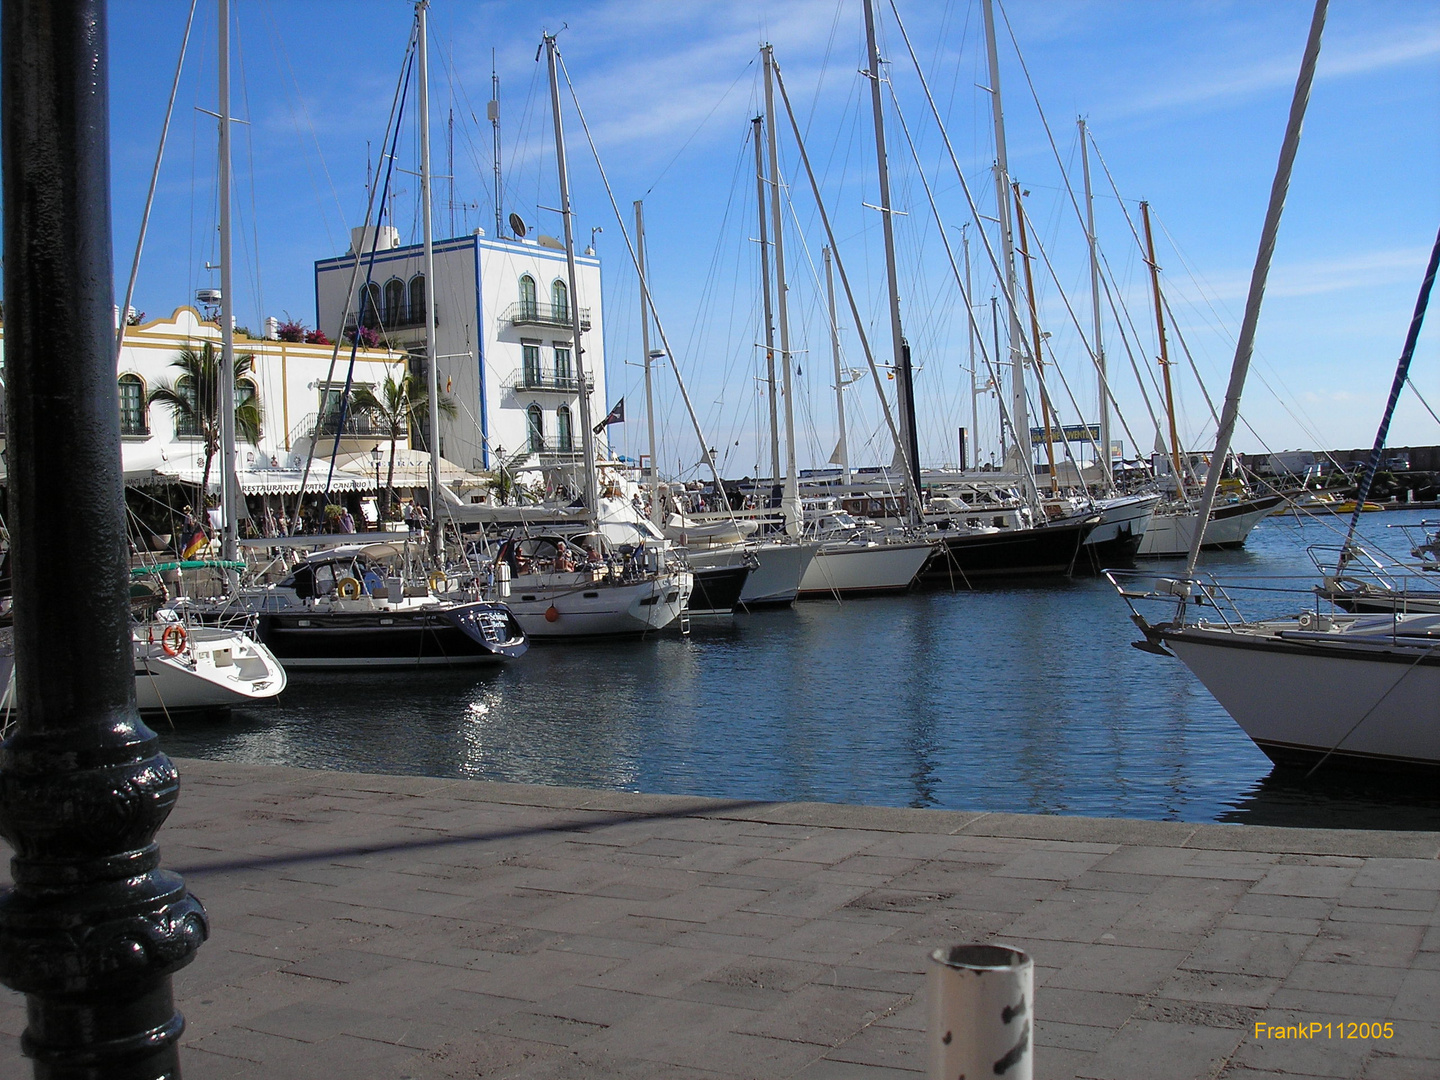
(1164, 351)
(1045, 409)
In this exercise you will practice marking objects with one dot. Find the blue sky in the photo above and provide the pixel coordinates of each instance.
(1186, 101)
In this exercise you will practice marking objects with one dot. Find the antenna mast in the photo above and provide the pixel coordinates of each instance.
(492, 110)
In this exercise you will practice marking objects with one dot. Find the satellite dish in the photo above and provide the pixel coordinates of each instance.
(517, 225)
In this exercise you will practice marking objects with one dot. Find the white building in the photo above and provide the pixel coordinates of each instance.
(505, 354)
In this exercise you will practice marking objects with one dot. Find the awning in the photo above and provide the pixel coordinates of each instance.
(265, 481)
(412, 467)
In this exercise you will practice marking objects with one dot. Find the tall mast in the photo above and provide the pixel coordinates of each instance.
(842, 449)
(970, 335)
(1019, 409)
(587, 436)
(492, 110)
(1105, 471)
(790, 499)
(758, 123)
(995, 329)
(656, 513)
(229, 544)
(432, 351)
(903, 373)
(1045, 409)
(1164, 352)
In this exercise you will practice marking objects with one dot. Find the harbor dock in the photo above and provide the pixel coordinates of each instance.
(396, 926)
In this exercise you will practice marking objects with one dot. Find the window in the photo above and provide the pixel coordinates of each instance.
(132, 406)
(247, 395)
(535, 428)
(562, 365)
(560, 301)
(531, 353)
(187, 420)
(562, 429)
(417, 298)
(370, 306)
(394, 302)
(529, 307)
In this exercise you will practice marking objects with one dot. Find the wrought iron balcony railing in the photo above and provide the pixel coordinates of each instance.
(547, 382)
(534, 313)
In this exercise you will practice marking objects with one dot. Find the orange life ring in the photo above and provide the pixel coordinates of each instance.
(173, 640)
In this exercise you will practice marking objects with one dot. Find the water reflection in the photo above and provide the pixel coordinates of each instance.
(1009, 699)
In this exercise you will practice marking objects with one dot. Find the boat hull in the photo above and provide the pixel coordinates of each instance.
(774, 582)
(1116, 540)
(462, 634)
(1047, 550)
(843, 569)
(1368, 707)
(217, 669)
(717, 589)
(597, 609)
(1170, 534)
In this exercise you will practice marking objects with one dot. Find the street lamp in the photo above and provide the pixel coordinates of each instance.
(375, 457)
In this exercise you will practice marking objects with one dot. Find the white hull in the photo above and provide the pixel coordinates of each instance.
(571, 605)
(842, 569)
(1300, 695)
(775, 581)
(1171, 531)
(216, 670)
(1122, 517)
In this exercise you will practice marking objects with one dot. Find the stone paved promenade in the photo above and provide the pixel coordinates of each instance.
(376, 926)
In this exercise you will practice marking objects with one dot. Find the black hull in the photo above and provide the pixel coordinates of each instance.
(478, 633)
(1289, 758)
(717, 589)
(1119, 552)
(1045, 551)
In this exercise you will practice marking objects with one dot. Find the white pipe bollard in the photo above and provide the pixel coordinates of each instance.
(982, 1005)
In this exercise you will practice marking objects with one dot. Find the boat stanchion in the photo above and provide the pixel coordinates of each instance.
(982, 1012)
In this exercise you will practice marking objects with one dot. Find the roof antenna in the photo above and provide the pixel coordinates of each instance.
(492, 111)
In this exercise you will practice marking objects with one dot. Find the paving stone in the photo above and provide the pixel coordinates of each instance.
(1149, 1050)
(1249, 952)
(826, 1015)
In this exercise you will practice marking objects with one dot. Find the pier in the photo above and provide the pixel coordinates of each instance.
(384, 926)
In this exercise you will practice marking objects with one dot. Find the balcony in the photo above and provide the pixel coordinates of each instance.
(357, 426)
(546, 450)
(533, 313)
(547, 382)
(393, 323)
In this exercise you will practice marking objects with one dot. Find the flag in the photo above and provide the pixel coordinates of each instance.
(194, 543)
(617, 416)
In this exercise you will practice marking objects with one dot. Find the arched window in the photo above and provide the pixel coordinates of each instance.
(417, 298)
(247, 399)
(535, 428)
(370, 306)
(528, 304)
(188, 421)
(394, 302)
(560, 301)
(562, 429)
(133, 420)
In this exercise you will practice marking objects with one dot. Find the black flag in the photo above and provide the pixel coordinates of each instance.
(617, 416)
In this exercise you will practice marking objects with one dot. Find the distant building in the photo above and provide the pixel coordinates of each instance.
(505, 354)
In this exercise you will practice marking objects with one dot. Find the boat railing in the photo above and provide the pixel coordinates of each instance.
(1204, 599)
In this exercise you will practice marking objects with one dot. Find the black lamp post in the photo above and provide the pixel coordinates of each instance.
(92, 928)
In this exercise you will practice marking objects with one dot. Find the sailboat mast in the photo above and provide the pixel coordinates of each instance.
(790, 500)
(1106, 476)
(492, 109)
(758, 123)
(842, 449)
(587, 435)
(229, 544)
(903, 380)
(432, 352)
(1164, 351)
(657, 514)
(970, 336)
(995, 329)
(1019, 409)
(1045, 409)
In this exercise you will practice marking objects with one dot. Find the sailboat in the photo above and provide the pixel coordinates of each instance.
(1358, 690)
(353, 606)
(617, 574)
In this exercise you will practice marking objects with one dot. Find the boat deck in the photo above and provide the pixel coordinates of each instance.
(382, 926)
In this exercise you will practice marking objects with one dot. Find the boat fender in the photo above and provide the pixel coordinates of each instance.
(552, 614)
(173, 640)
(438, 581)
(349, 588)
(502, 579)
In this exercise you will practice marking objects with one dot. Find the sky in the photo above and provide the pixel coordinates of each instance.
(1186, 101)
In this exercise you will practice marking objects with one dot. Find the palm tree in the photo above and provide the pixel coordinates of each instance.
(194, 399)
(400, 406)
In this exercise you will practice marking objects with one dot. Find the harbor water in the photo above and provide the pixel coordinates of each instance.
(1018, 698)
